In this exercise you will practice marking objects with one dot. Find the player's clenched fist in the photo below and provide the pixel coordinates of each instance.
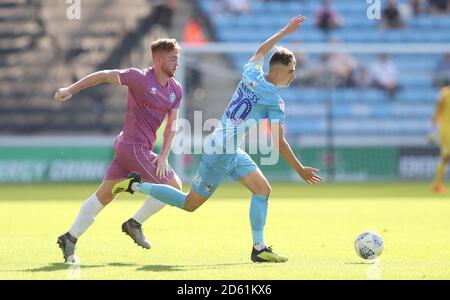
(63, 94)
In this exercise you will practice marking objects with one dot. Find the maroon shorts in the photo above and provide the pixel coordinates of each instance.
(137, 158)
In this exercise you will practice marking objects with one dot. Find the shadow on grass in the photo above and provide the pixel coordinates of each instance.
(60, 267)
(120, 265)
(64, 266)
(54, 267)
(359, 263)
(168, 268)
(161, 268)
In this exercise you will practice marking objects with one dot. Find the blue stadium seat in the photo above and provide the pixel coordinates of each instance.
(368, 111)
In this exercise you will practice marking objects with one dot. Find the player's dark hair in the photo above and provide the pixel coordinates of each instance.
(165, 45)
(283, 56)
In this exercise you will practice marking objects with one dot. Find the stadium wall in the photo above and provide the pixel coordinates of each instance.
(84, 159)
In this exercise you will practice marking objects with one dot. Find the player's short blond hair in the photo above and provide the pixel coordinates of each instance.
(282, 56)
(165, 45)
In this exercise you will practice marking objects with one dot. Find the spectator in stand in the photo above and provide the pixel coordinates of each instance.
(300, 58)
(341, 64)
(235, 7)
(384, 75)
(238, 7)
(193, 32)
(335, 69)
(438, 6)
(300, 66)
(391, 17)
(417, 7)
(361, 77)
(193, 35)
(442, 72)
(327, 18)
(309, 74)
(163, 13)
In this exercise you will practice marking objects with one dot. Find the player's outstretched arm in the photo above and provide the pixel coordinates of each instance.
(306, 173)
(106, 76)
(265, 47)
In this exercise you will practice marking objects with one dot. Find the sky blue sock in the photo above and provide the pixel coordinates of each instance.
(258, 215)
(164, 193)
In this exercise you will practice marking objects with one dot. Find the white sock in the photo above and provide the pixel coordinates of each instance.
(88, 211)
(259, 246)
(150, 207)
(136, 187)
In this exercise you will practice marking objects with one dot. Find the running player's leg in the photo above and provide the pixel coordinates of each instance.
(133, 226)
(164, 193)
(151, 205)
(142, 162)
(438, 185)
(260, 189)
(249, 175)
(86, 217)
(205, 182)
(94, 204)
(102, 197)
(139, 159)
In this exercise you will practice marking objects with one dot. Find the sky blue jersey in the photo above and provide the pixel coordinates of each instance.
(254, 99)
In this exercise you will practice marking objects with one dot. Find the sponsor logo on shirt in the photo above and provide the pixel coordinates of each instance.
(154, 107)
(209, 188)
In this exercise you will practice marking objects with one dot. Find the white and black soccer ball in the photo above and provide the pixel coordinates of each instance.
(369, 245)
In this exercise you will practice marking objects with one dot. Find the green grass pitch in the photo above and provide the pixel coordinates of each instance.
(315, 226)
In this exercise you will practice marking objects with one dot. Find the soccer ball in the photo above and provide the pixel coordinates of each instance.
(369, 245)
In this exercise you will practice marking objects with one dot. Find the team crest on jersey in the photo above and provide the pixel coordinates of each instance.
(153, 91)
(209, 188)
(172, 97)
(281, 104)
(253, 84)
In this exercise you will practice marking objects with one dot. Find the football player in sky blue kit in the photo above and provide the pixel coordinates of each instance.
(256, 98)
